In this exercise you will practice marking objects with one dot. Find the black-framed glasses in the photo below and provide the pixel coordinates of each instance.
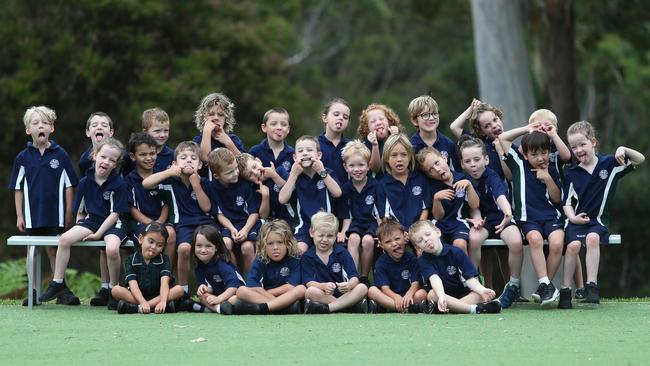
(426, 116)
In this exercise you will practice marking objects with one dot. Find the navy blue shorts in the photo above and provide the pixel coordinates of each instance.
(252, 235)
(93, 226)
(544, 227)
(184, 233)
(362, 228)
(453, 230)
(492, 231)
(458, 292)
(579, 232)
(44, 231)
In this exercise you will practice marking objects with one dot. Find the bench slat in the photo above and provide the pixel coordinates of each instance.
(48, 241)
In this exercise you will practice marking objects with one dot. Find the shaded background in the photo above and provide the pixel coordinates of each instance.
(581, 59)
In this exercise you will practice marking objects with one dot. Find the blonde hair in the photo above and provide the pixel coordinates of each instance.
(112, 142)
(355, 148)
(391, 142)
(211, 100)
(99, 114)
(219, 159)
(421, 225)
(187, 145)
(281, 228)
(476, 113)
(422, 155)
(542, 114)
(309, 138)
(422, 103)
(44, 112)
(242, 161)
(582, 127)
(324, 222)
(278, 110)
(152, 115)
(391, 116)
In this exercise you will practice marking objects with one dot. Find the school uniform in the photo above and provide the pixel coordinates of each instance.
(205, 169)
(312, 196)
(452, 225)
(218, 275)
(86, 162)
(380, 145)
(147, 275)
(332, 158)
(185, 212)
(361, 207)
(398, 275)
(532, 208)
(404, 202)
(287, 211)
(148, 202)
(495, 157)
(274, 274)
(236, 202)
(340, 267)
(264, 152)
(99, 201)
(164, 159)
(443, 144)
(489, 187)
(592, 193)
(453, 267)
(43, 180)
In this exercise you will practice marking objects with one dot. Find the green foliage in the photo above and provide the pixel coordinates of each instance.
(12, 276)
(84, 284)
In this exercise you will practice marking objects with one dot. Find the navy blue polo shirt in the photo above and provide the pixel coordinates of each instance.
(361, 207)
(285, 211)
(274, 274)
(265, 154)
(340, 266)
(236, 201)
(219, 275)
(332, 158)
(443, 144)
(529, 195)
(404, 202)
(86, 162)
(147, 275)
(495, 158)
(488, 188)
(100, 201)
(185, 209)
(593, 193)
(380, 145)
(452, 265)
(43, 180)
(313, 196)
(164, 159)
(397, 275)
(205, 170)
(148, 202)
(453, 208)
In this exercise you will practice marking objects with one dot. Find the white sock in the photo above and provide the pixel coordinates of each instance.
(105, 285)
(197, 307)
(186, 288)
(514, 281)
(544, 280)
(139, 308)
(219, 308)
(58, 280)
(472, 309)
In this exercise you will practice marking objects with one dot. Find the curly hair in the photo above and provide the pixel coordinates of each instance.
(473, 118)
(279, 227)
(391, 116)
(211, 100)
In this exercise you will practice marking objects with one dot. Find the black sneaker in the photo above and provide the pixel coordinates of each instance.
(225, 308)
(492, 307)
(186, 304)
(316, 308)
(291, 309)
(245, 308)
(373, 307)
(124, 307)
(67, 298)
(101, 298)
(565, 299)
(361, 307)
(171, 307)
(432, 307)
(548, 295)
(53, 290)
(34, 299)
(537, 294)
(522, 299)
(509, 295)
(592, 294)
(112, 303)
(580, 294)
(418, 308)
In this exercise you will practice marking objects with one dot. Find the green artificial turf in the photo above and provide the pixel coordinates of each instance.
(617, 333)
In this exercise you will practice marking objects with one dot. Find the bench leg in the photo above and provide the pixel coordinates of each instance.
(39, 277)
(30, 276)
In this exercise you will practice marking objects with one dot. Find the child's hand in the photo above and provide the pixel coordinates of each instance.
(208, 127)
(160, 307)
(92, 237)
(194, 178)
(242, 235)
(462, 185)
(340, 237)
(317, 165)
(406, 301)
(202, 290)
(221, 136)
(146, 308)
(620, 155)
(475, 103)
(542, 174)
(372, 138)
(268, 172)
(262, 189)
(344, 287)
(330, 287)
(20, 224)
(580, 219)
(399, 304)
(296, 168)
(477, 224)
(442, 303)
(504, 223)
(175, 170)
(498, 147)
(549, 129)
(394, 130)
(487, 294)
(445, 194)
(212, 300)
(536, 126)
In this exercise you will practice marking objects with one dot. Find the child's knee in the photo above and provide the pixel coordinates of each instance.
(592, 240)
(248, 249)
(312, 292)
(373, 292)
(184, 250)
(368, 242)
(573, 248)
(432, 296)
(535, 239)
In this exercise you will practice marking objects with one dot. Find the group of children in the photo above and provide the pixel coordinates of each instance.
(303, 223)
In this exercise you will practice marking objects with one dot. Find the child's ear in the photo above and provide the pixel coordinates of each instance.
(311, 232)
(88, 133)
(320, 155)
(487, 160)
(132, 156)
(414, 121)
(263, 125)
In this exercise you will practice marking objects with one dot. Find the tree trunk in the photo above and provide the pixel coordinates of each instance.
(502, 59)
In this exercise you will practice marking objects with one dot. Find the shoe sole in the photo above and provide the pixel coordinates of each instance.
(549, 303)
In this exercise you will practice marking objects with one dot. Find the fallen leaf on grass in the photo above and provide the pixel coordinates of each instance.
(199, 340)
(180, 326)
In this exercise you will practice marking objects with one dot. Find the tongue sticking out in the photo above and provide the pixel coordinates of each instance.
(99, 137)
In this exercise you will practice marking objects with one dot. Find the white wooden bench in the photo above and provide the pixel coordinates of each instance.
(34, 244)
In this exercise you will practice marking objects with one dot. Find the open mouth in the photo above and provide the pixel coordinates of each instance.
(99, 136)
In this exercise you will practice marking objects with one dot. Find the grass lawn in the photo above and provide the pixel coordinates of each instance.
(617, 333)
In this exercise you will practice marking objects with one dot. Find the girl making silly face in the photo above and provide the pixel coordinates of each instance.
(336, 117)
(398, 160)
(106, 158)
(488, 121)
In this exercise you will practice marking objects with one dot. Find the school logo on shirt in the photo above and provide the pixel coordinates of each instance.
(444, 154)
(217, 278)
(285, 271)
(451, 270)
(603, 174)
(276, 188)
(417, 190)
(153, 193)
(54, 163)
(369, 200)
(239, 200)
(320, 184)
(460, 194)
(193, 195)
(286, 165)
(107, 195)
(406, 274)
(553, 157)
(336, 267)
